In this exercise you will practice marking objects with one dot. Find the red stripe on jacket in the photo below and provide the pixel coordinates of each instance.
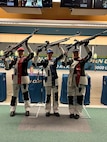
(20, 69)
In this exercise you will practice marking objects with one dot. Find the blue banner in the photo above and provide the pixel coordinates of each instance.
(94, 64)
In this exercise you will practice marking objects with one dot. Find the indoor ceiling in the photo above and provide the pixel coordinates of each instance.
(55, 13)
(55, 20)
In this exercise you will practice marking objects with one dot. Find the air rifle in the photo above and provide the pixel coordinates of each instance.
(63, 40)
(40, 47)
(85, 41)
(10, 50)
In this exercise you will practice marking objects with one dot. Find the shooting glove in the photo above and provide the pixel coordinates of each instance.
(39, 50)
(86, 43)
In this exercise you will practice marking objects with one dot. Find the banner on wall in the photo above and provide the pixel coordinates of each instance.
(94, 64)
(97, 64)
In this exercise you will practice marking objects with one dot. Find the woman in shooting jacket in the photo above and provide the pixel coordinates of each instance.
(20, 78)
(77, 81)
(51, 80)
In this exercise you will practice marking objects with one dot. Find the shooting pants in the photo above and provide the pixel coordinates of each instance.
(75, 98)
(51, 93)
(24, 89)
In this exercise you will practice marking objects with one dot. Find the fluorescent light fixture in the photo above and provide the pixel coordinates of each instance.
(53, 23)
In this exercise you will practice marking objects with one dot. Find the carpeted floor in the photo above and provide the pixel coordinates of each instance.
(38, 128)
(38, 121)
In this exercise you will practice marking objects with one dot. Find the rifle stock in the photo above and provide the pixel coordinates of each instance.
(10, 49)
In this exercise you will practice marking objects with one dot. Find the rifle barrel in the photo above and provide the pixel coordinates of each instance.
(9, 50)
(62, 40)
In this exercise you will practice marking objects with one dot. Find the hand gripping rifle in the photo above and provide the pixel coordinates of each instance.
(85, 41)
(40, 47)
(9, 50)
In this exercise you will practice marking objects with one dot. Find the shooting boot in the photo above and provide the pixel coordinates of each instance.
(47, 114)
(76, 116)
(57, 114)
(12, 113)
(71, 115)
(27, 113)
